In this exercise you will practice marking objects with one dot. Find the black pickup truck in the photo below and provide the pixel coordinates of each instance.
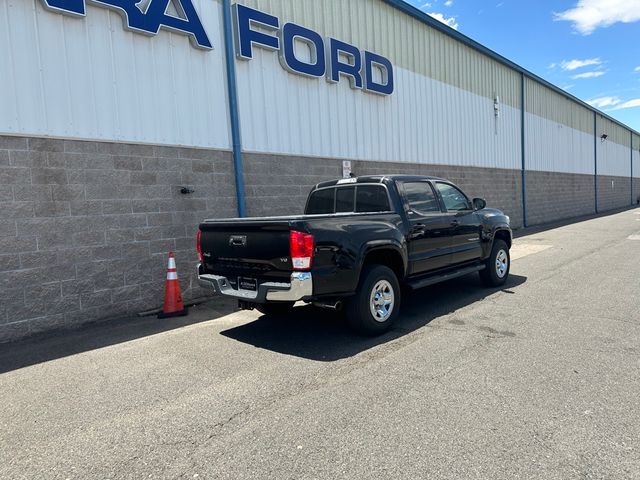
(359, 241)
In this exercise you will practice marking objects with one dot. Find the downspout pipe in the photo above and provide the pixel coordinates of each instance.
(233, 107)
(631, 133)
(595, 156)
(525, 223)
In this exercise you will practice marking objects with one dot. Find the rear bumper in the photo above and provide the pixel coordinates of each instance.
(300, 287)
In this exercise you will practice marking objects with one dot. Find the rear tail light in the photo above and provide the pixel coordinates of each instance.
(199, 246)
(301, 250)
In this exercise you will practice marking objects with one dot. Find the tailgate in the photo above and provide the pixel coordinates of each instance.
(247, 249)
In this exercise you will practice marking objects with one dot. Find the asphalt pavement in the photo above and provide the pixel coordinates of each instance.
(540, 379)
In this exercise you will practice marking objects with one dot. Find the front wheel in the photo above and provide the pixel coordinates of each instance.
(497, 265)
(375, 306)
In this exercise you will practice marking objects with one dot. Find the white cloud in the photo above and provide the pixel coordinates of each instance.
(450, 22)
(637, 69)
(589, 15)
(448, 3)
(570, 65)
(594, 74)
(604, 102)
(628, 104)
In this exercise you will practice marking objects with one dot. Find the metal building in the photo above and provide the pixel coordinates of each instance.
(109, 109)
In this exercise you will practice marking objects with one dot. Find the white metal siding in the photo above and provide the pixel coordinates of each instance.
(636, 156)
(544, 102)
(89, 78)
(424, 121)
(614, 157)
(555, 147)
(408, 42)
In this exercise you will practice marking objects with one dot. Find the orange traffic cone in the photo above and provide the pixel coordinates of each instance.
(173, 306)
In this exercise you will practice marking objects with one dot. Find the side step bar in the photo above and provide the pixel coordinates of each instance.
(425, 282)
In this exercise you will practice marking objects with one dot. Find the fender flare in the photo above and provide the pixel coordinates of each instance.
(377, 245)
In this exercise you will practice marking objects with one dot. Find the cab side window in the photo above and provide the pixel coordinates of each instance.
(454, 200)
(421, 197)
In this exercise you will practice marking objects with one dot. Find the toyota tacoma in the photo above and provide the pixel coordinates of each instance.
(359, 242)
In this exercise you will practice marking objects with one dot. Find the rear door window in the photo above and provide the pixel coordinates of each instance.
(421, 197)
(372, 198)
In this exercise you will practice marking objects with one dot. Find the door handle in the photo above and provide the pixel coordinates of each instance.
(455, 223)
(418, 230)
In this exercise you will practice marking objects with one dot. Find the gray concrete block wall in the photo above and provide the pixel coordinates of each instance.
(85, 227)
(636, 191)
(280, 184)
(555, 196)
(613, 193)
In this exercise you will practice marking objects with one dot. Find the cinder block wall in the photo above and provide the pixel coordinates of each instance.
(280, 184)
(85, 227)
(636, 191)
(556, 196)
(613, 192)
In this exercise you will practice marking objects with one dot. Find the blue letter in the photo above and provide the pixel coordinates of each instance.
(155, 17)
(73, 7)
(350, 69)
(148, 22)
(384, 88)
(245, 37)
(292, 32)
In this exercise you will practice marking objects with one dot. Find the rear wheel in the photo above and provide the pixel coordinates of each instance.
(375, 306)
(497, 265)
(276, 309)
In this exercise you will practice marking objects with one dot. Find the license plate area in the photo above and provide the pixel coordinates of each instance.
(250, 284)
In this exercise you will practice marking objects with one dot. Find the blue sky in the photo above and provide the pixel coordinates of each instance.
(591, 48)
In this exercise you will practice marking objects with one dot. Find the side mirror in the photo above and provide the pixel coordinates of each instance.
(479, 203)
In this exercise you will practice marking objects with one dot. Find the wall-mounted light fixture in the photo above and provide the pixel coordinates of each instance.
(604, 137)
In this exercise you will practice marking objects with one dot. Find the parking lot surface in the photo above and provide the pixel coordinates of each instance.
(540, 379)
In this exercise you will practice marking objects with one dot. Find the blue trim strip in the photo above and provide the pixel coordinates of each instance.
(424, 18)
(523, 146)
(595, 156)
(233, 107)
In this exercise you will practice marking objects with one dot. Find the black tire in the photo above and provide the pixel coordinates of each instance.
(359, 308)
(276, 308)
(496, 274)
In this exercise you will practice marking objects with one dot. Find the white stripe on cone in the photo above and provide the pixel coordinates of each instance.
(172, 262)
(172, 276)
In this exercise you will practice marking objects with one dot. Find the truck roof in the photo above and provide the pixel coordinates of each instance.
(376, 179)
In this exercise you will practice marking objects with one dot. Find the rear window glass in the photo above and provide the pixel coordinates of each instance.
(360, 199)
(344, 199)
(370, 198)
(321, 202)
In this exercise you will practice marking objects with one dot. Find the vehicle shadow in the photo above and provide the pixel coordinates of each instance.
(63, 343)
(323, 335)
